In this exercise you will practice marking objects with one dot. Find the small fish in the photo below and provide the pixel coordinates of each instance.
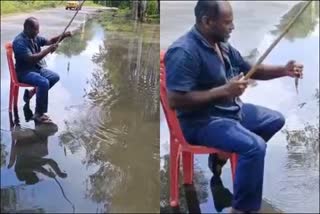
(296, 82)
(68, 68)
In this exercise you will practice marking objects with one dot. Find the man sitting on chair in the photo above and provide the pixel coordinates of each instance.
(30, 65)
(204, 81)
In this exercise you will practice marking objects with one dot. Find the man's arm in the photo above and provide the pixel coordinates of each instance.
(193, 99)
(54, 40)
(267, 72)
(35, 58)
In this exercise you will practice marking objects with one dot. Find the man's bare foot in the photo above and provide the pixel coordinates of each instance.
(42, 119)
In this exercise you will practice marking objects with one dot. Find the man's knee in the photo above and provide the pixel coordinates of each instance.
(43, 83)
(55, 78)
(258, 147)
(279, 120)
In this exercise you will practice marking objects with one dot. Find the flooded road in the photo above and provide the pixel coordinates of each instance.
(103, 155)
(291, 181)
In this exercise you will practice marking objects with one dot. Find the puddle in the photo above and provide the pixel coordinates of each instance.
(106, 108)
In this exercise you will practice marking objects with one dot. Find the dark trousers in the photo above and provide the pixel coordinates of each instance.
(247, 138)
(43, 79)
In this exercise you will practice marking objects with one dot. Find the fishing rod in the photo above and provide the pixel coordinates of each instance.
(70, 21)
(64, 195)
(275, 42)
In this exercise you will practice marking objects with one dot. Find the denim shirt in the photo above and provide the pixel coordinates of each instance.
(193, 65)
(23, 46)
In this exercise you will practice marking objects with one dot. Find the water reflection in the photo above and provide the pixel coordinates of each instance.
(120, 117)
(222, 197)
(28, 150)
(133, 75)
(304, 25)
(29, 147)
(4, 153)
(107, 110)
(191, 196)
(78, 42)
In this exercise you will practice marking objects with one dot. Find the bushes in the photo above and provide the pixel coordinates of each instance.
(152, 8)
(22, 6)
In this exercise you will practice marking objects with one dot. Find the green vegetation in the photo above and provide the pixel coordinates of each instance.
(115, 22)
(121, 21)
(142, 10)
(9, 7)
(78, 42)
(304, 25)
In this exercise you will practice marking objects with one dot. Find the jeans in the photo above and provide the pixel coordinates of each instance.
(248, 139)
(43, 79)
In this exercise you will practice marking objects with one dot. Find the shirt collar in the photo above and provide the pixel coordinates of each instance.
(24, 35)
(204, 41)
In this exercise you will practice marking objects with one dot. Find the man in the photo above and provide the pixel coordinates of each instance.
(204, 82)
(30, 65)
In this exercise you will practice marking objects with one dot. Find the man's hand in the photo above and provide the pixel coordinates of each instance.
(51, 174)
(67, 34)
(53, 47)
(293, 69)
(236, 86)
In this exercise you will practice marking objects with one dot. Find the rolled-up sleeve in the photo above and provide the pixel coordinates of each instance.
(182, 70)
(239, 62)
(42, 41)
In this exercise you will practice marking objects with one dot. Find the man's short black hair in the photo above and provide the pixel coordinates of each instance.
(29, 22)
(207, 8)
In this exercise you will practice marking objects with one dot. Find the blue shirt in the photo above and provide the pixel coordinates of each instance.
(24, 46)
(193, 65)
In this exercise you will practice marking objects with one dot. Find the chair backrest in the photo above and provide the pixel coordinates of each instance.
(170, 114)
(12, 70)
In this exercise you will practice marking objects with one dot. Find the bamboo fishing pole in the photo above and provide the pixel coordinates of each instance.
(260, 60)
(70, 21)
(64, 195)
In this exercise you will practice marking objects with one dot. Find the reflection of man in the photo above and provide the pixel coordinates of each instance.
(222, 197)
(30, 65)
(204, 81)
(31, 145)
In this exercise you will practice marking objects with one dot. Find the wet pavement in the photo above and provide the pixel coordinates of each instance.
(103, 153)
(291, 182)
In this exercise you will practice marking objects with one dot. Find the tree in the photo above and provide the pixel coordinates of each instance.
(304, 25)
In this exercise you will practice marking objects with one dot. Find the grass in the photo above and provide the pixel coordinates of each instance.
(12, 7)
(121, 20)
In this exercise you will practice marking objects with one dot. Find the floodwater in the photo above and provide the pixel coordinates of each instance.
(103, 153)
(291, 182)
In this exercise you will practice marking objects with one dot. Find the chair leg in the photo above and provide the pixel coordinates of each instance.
(187, 158)
(11, 97)
(233, 162)
(174, 174)
(16, 95)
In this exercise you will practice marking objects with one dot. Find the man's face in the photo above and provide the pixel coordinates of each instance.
(221, 28)
(33, 30)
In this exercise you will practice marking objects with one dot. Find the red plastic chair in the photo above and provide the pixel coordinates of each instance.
(179, 146)
(14, 84)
